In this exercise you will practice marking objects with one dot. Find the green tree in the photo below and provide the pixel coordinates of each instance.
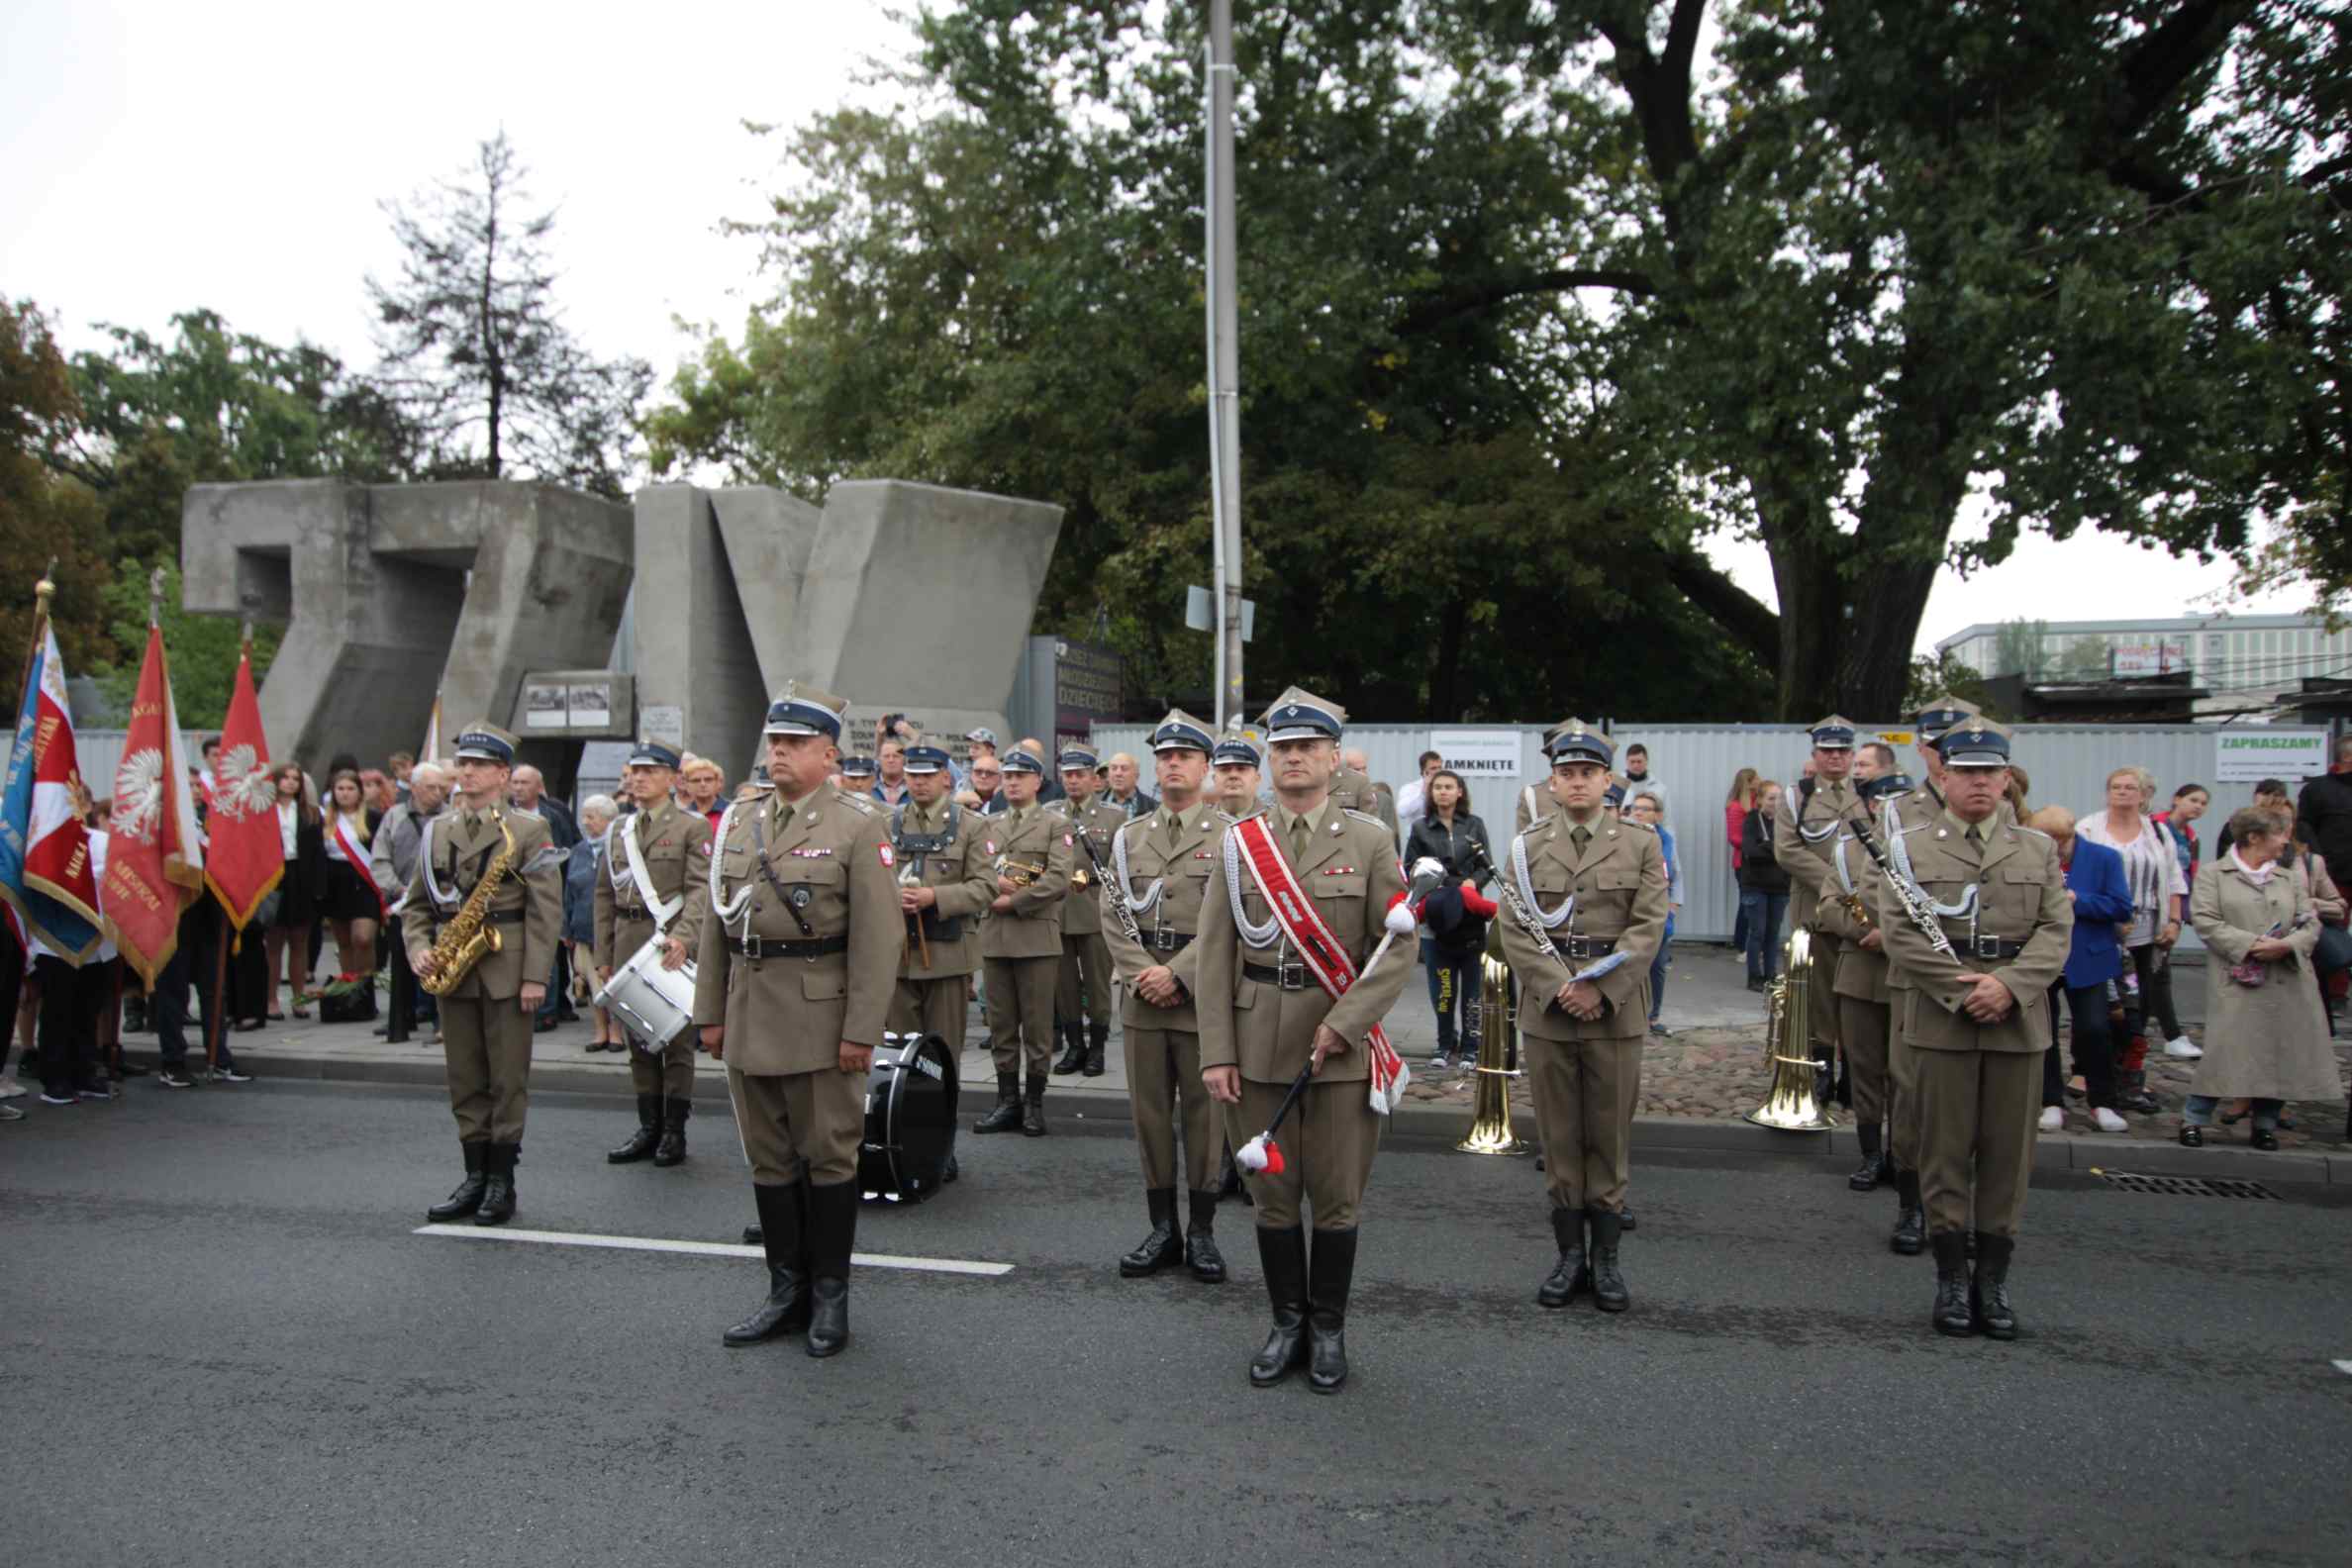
(1003, 294)
(2021, 647)
(476, 352)
(1947, 674)
(45, 515)
(203, 649)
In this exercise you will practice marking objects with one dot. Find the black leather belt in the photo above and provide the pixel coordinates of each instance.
(625, 913)
(1166, 942)
(1985, 947)
(1289, 976)
(771, 948)
(511, 917)
(1587, 946)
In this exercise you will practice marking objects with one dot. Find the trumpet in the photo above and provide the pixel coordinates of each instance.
(1021, 873)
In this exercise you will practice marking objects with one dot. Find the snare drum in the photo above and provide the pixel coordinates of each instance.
(654, 1004)
(909, 1146)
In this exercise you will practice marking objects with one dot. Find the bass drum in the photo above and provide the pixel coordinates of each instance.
(909, 1149)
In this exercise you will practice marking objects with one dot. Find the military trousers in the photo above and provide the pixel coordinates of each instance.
(667, 1071)
(1820, 997)
(1902, 1089)
(1084, 988)
(932, 1007)
(1977, 1120)
(1165, 1092)
(1585, 1092)
(486, 1042)
(1328, 1143)
(799, 1124)
(1020, 1011)
(1863, 1026)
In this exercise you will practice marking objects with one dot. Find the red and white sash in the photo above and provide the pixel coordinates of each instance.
(359, 862)
(1324, 957)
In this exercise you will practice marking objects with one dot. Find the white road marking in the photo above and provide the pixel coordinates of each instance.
(2344, 1367)
(729, 1249)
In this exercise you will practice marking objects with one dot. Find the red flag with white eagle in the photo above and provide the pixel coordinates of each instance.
(246, 858)
(155, 861)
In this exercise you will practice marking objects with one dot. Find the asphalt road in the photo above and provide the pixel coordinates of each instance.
(221, 1341)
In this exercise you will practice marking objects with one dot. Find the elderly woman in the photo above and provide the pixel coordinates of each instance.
(2158, 890)
(2102, 900)
(581, 872)
(2266, 1037)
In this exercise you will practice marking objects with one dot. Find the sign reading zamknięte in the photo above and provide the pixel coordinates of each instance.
(2246, 757)
(1478, 753)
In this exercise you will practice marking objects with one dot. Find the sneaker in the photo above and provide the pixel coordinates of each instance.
(173, 1078)
(1439, 1063)
(10, 1089)
(95, 1092)
(2108, 1122)
(9, 1113)
(56, 1099)
(1661, 1030)
(228, 1072)
(2053, 1119)
(2182, 1047)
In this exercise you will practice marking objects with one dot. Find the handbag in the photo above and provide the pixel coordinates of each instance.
(266, 912)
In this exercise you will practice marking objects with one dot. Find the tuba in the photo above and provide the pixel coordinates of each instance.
(1497, 1058)
(1794, 1102)
(470, 934)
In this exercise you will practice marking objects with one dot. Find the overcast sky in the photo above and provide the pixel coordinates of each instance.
(157, 157)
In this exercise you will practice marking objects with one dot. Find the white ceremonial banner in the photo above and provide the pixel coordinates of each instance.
(2260, 752)
(1478, 753)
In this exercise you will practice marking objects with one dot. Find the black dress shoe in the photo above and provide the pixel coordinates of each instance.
(542, 1026)
(468, 1195)
(1569, 1278)
(1162, 1249)
(1282, 1259)
(786, 1307)
(1200, 1240)
(2264, 1138)
(2192, 1137)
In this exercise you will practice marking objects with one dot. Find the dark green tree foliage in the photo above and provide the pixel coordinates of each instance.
(475, 352)
(203, 649)
(45, 515)
(999, 285)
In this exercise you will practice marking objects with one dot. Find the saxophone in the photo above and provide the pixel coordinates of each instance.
(469, 935)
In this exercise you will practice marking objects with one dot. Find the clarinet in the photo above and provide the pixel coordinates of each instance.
(1913, 896)
(1118, 895)
(1520, 911)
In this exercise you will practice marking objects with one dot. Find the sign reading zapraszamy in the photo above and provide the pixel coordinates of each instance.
(1478, 753)
(2260, 752)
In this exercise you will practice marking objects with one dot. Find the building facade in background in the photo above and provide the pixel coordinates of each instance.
(2243, 665)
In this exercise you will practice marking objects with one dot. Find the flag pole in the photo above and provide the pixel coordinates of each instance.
(43, 591)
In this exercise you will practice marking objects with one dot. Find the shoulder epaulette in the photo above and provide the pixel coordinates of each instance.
(2036, 832)
(1365, 817)
(859, 802)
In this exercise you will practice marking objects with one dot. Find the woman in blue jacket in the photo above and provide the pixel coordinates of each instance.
(2102, 902)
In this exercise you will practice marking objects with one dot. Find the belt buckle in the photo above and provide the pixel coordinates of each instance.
(1291, 976)
(1984, 947)
(1580, 947)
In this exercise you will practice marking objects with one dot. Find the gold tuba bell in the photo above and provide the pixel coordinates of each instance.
(1497, 1058)
(1794, 1102)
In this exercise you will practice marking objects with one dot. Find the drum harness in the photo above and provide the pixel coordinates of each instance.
(916, 849)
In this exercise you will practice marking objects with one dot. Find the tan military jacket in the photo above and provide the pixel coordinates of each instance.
(1351, 870)
(2022, 898)
(1806, 858)
(1178, 851)
(1091, 829)
(791, 1015)
(527, 910)
(675, 849)
(1861, 973)
(959, 878)
(1040, 836)
(1620, 886)
(1355, 792)
(1535, 802)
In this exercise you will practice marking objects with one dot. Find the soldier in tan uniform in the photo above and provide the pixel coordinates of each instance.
(800, 953)
(1029, 848)
(945, 890)
(486, 1018)
(1159, 869)
(1081, 994)
(1856, 976)
(1811, 818)
(657, 876)
(1597, 888)
(1976, 1016)
(1923, 804)
(1263, 1019)
(1237, 775)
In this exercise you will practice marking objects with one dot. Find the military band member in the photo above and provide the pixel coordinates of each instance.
(1859, 982)
(1599, 889)
(1237, 778)
(1264, 1016)
(1083, 990)
(944, 889)
(1811, 818)
(1028, 848)
(486, 1018)
(1159, 869)
(800, 951)
(1923, 804)
(657, 877)
(1978, 1023)
(858, 774)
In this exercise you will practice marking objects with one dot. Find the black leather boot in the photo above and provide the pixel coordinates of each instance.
(647, 1136)
(783, 1213)
(1874, 1162)
(1162, 1249)
(1987, 1292)
(1282, 1255)
(468, 1195)
(1006, 1118)
(1911, 1220)
(1329, 1272)
(671, 1150)
(1032, 1111)
(1951, 1314)
(1097, 1039)
(498, 1184)
(1200, 1240)
(833, 1236)
(1569, 1277)
(1073, 1056)
(1608, 1286)
(754, 1235)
